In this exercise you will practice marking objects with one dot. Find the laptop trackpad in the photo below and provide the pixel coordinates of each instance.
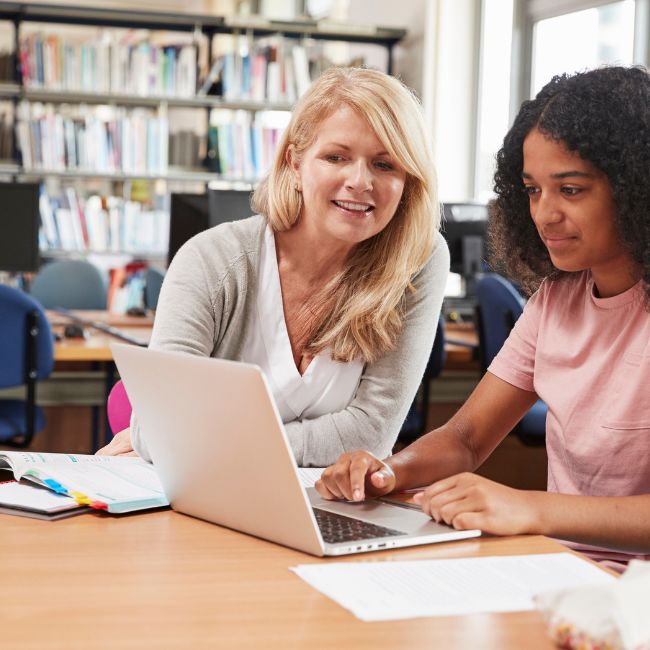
(380, 513)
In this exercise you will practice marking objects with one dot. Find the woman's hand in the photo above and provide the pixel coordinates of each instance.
(355, 475)
(467, 501)
(119, 446)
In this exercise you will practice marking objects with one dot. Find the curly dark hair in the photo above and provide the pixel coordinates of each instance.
(604, 116)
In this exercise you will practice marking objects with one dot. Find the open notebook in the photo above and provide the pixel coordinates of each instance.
(112, 483)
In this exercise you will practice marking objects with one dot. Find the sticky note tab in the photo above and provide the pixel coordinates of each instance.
(55, 485)
(81, 498)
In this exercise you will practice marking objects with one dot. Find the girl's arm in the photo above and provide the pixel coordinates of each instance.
(461, 445)
(469, 501)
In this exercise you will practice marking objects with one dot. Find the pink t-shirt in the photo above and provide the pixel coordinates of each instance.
(588, 358)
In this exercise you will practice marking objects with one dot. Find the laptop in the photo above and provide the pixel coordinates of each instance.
(222, 454)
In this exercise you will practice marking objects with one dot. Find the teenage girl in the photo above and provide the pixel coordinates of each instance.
(571, 218)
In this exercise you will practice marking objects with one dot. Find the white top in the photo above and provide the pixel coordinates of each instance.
(327, 386)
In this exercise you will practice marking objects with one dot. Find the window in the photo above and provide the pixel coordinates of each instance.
(580, 40)
(524, 43)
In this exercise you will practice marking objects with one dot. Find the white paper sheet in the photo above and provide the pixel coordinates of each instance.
(379, 591)
(309, 475)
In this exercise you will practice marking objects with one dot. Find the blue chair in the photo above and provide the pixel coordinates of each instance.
(153, 279)
(416, 419)
(26, 355)
(70, 284)
(499, 307)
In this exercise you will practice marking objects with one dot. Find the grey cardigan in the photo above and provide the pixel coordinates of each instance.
(205, 306)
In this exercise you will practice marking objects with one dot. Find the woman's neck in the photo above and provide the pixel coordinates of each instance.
(314, 260)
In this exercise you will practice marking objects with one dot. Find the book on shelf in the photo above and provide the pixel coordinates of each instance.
(101, 224)
(111, 62)
(115, 484)
(29, 500)
(92, 138)
(269, 69)
(6, 135)
(242, 144)
(184, 148)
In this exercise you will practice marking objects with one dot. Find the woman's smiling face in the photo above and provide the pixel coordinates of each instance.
(351, 187)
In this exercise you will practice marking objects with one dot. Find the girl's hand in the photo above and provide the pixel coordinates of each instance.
(355, 476)
(119, 446)
(467, 501)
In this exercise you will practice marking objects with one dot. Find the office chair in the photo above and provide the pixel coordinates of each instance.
(70, 284)
(118, 408)
(416, 419)
(153, 279)
(26, 355)
(499, 307)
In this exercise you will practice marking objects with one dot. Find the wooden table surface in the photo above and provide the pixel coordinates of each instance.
(164, 580)
(96, 345)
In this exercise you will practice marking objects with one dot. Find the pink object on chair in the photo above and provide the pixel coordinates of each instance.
(118, 408)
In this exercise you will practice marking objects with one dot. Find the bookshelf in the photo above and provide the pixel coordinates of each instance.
(107, 109)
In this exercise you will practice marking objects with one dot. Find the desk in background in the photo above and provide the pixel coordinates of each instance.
(97, 346)
(70, 421)
(84, 374)
(163, 580)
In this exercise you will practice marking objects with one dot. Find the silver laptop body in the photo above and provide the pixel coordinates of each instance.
(222, 454)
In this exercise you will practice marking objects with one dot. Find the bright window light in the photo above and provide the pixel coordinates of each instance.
(582, 40)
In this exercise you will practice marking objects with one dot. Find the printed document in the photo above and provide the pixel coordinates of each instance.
(390, 590)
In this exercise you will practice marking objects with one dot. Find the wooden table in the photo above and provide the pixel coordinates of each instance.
(164, 580)
(96, 347)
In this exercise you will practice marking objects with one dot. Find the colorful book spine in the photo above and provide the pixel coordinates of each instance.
(108, 64)
(97, 224)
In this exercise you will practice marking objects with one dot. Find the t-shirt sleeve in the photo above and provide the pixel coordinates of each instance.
(515, 362)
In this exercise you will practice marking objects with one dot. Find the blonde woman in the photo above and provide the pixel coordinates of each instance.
(334, 290)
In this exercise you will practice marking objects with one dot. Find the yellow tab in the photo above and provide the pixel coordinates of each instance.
(80, 498)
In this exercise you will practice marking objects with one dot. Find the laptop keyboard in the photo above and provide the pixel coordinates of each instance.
(337, 528)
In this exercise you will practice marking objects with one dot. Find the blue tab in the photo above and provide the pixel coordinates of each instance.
(55, 485)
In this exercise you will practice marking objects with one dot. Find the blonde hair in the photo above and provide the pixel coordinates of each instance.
(363, 312)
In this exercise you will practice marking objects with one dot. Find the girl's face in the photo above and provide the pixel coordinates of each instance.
(351, 186)
(572, 205)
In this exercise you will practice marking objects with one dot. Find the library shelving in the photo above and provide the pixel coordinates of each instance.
(109, 105)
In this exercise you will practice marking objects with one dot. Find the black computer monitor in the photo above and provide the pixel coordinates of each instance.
(19, 224)
(193, 213)
(464, 227)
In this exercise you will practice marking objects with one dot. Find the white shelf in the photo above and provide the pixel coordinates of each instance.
(11, 91)
(8, 167)
(198, 176)
(64, 253)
